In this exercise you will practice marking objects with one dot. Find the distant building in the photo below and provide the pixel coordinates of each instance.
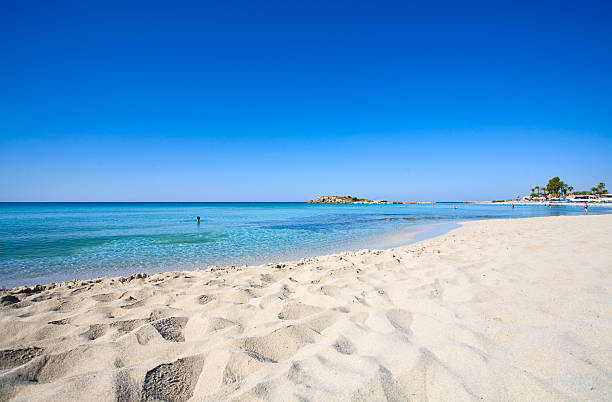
(581, 197)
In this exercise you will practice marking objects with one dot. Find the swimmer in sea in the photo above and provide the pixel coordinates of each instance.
(198, 219)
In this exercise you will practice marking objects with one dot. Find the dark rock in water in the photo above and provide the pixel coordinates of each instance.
(337, 199)
(9, 299)
(205, 299)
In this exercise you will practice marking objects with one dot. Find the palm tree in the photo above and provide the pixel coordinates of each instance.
(601, 188)
(570, 189)
(564, 189)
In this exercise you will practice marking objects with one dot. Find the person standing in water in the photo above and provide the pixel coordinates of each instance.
(198, 219)
(586, 208)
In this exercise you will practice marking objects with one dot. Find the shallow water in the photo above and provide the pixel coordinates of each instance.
(43, 242)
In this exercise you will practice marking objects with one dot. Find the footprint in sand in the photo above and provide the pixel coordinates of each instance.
(8, 300)
(171, 329)
(63, 321)
(95, 331)
(16, 357)
(127, 388)
(172, 381)
(344, 346)
(284, 293)
(267, 278)
(204, 299)
(159, 313)
(126, 326)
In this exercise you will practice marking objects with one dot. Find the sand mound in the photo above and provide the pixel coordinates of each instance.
(239, 367)
(296, 311)
(279, 344)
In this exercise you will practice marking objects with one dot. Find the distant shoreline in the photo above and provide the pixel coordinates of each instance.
(545, 203)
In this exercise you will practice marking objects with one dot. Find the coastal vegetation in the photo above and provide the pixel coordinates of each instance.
(558, 188)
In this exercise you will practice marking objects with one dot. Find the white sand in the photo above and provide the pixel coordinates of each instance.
(495, 310)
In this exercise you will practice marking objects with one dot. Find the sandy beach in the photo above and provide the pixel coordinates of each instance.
(495, 310)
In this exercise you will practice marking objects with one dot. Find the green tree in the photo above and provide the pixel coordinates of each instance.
(601, 188)
(570, 189)
(555, 186)
(564, 189)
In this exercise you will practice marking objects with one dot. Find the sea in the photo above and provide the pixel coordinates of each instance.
(50, 242)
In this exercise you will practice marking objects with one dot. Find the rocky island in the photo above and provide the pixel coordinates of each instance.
(338, 199)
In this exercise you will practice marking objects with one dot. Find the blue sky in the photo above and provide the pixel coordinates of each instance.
(285, 101)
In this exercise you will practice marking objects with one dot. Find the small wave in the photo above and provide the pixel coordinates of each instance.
(412, 218)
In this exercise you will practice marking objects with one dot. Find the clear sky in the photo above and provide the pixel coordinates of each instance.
(289, 100)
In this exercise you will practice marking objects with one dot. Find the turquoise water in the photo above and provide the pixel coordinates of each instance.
(44, 242)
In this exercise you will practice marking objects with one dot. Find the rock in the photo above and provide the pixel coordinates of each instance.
(336, 199)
